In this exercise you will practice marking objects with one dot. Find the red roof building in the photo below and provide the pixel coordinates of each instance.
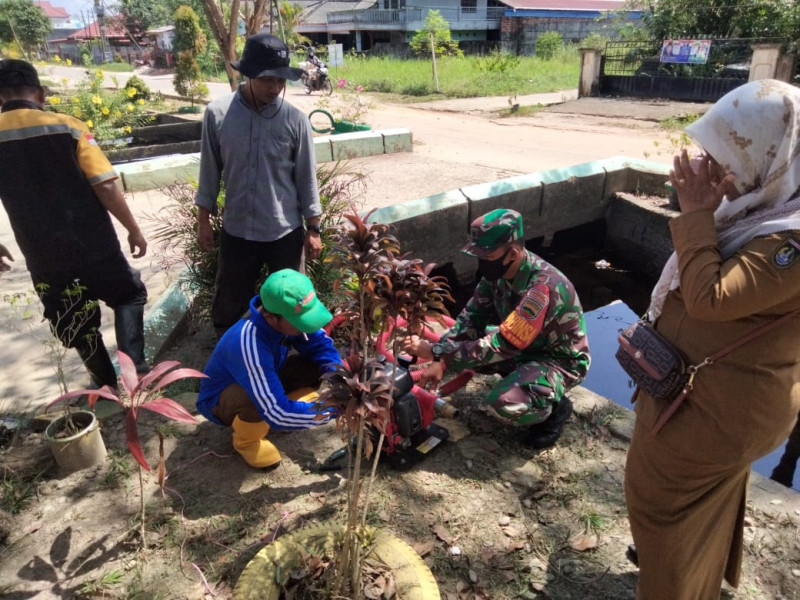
(50, 11)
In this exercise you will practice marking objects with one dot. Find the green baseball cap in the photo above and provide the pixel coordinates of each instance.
(291, 295)
(492, 230)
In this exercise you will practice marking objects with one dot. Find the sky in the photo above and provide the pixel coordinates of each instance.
(74, 7)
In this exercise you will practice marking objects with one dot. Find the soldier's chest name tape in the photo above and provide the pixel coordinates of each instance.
(522, 326)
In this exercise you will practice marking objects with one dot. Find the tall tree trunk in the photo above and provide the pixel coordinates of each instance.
(256, 20)
(225, 36)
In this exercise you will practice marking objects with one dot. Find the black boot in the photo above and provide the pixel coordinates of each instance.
(784, 471)
(129, 327)
(97, 361)
(545, 434)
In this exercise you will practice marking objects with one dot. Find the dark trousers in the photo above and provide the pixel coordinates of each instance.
(240, 264)
(113, 281)
(235, 402)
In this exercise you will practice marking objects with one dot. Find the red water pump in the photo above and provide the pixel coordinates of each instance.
(411, 433)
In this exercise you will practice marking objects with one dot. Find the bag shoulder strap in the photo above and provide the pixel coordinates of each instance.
(748, 337)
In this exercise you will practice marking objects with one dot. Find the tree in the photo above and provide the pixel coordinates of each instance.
(224, 27)
(670, 19)
(290, 18)
(438, 27)
(189, 42)
(141, 15)
(24, 23)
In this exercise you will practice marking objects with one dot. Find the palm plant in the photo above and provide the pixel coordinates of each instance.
(135, 394)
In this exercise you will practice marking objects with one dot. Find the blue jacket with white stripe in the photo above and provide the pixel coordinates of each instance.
(251, 354)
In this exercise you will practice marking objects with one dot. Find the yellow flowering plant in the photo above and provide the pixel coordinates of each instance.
(111, 114)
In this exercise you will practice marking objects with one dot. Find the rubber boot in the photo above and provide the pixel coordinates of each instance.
(784, 471)
(97, 361)
(129, 327)
(545, 434)
(248, 441)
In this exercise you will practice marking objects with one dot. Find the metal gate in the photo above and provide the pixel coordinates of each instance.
(635, 69)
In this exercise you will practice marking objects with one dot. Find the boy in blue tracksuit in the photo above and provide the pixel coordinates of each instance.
(250, 370)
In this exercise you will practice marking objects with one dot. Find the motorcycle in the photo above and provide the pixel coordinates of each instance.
(316, 79)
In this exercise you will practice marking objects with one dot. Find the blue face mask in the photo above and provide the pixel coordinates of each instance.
(492, 270)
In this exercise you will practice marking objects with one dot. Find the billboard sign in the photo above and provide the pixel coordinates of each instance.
(694, 52)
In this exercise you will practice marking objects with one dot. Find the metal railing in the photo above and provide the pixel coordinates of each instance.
(727, 58)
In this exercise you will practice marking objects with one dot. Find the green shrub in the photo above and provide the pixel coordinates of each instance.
(138, 84)
(190, 41)
(548, 43)
(443, 44)
(596, 41)
(110, 115)
(497, 62)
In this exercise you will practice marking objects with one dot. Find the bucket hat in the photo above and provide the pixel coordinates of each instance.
(291, 295)
(18, 73)
(266, 56)
(492, 230)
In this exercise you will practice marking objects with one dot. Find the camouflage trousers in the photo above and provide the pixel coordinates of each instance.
(527, 393)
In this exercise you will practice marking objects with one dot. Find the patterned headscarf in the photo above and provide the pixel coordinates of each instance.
(754, 132)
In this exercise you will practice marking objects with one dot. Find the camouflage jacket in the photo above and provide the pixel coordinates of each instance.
(539, 316)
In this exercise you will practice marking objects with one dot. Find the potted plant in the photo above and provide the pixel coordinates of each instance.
(379, 288)
(73, 437)
(135, 394)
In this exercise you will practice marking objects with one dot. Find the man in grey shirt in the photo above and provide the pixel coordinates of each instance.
(261, 147)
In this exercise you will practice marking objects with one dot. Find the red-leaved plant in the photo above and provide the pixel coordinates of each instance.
(135, 394)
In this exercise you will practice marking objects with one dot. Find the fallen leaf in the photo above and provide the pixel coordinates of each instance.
(423, 548)
(581, 543)
(444, 535)
(508, 575)
(510, 532)
(516, 544)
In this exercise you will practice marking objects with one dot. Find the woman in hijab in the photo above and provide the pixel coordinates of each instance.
(736, 267)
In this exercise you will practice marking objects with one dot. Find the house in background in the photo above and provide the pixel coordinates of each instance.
(163, 38)
(386, 26)
(61, 22)
(115, 42)
(525, 20)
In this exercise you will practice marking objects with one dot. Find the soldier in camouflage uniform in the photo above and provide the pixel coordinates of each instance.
(525, 322)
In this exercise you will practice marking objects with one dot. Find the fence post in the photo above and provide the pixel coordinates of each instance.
(764, 64)
(786, 67)
(589, 84)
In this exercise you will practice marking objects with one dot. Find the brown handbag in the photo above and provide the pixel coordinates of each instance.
(652, 362)
(657, 367)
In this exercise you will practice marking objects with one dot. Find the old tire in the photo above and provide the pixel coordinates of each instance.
(327, 87)
(265, 574)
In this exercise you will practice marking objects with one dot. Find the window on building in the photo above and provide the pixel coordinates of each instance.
(469, 6)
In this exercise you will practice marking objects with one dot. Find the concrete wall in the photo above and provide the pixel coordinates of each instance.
(166, 170)
(435, 228)
(518, 34)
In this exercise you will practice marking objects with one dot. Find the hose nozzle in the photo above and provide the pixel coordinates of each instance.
(445, 409)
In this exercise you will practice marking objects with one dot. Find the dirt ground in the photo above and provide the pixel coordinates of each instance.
(491, 517)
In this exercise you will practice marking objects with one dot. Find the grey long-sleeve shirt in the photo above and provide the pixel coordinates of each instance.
(267, 163)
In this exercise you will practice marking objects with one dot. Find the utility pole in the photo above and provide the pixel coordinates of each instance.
(100, 12)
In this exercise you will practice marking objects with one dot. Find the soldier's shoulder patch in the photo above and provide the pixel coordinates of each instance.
(522, 326)
(787, 253)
